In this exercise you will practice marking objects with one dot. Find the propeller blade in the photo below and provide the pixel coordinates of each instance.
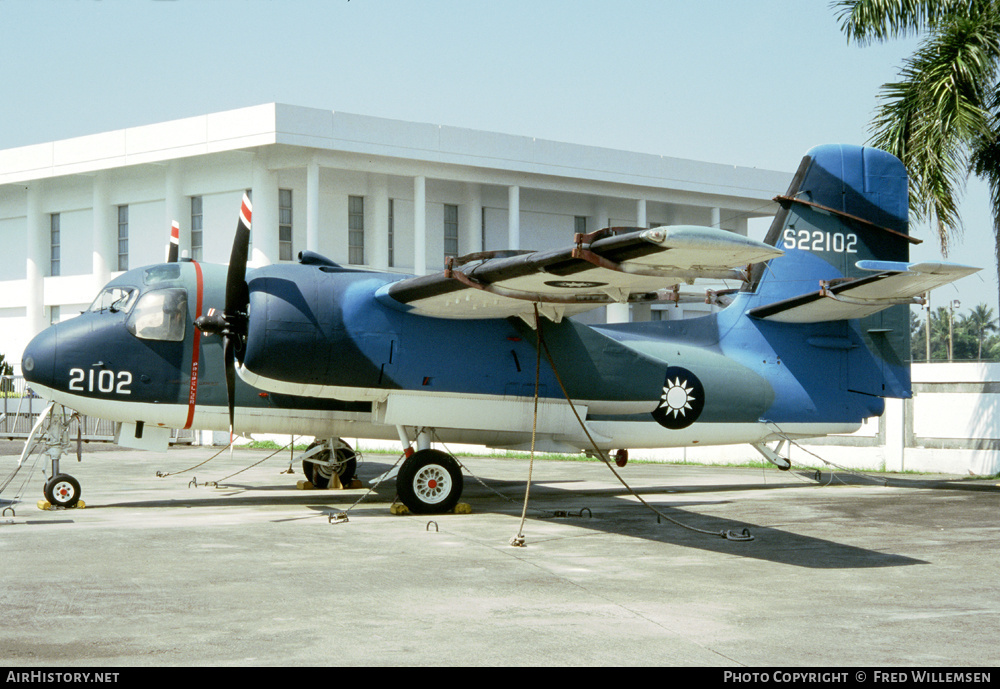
(230, 359)
(232, 322)
(237, 295)
(175, 242)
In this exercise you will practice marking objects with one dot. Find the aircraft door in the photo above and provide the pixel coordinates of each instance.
(159, 323)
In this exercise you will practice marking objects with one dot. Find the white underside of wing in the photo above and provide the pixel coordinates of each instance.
(899, 284)
(616, 269)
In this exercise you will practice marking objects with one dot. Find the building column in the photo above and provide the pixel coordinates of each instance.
(176, 210)
(716, 218)
(104, 258)
(471, 220)
(420, 225)
(600, 216)
(618, 313)
(312, 206)
(894, 419)
(36, 268)
(378, 189)
(514, 217)
(264, 223)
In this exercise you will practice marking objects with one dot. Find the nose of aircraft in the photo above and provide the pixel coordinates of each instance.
(38, 360)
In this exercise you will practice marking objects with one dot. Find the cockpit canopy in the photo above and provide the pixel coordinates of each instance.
(114, 299)
(159, 313)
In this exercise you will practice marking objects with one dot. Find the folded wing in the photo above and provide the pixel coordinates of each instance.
(615, 265)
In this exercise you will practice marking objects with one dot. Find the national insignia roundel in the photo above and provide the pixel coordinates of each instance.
(682, 400)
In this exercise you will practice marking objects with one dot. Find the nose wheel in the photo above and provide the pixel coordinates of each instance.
(62, 490)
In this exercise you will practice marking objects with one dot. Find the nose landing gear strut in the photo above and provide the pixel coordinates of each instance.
(51, 431)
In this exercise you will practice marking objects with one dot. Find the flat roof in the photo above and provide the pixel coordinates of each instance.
(276, 123)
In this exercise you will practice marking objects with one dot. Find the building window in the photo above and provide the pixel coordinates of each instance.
(54, 243)
(122, 237)
(392, 221)
(580, 224)
(450, 231)
(356, 229)
(284, 224)
(197, 240)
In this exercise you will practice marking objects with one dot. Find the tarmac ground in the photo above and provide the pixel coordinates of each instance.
(849, 570)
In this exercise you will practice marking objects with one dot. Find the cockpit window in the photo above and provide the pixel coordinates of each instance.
(160, 315)
(114, 299)
(168, 272)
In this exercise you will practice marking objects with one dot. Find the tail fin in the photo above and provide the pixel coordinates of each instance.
(845, 204)
(843, 225)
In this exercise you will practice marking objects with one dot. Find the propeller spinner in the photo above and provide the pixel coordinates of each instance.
(231, 324)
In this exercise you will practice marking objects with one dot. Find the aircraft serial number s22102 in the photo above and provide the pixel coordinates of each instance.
(811, 343)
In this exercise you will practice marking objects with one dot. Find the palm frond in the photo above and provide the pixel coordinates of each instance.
(868, 21)
(986, 165)
(932, 117)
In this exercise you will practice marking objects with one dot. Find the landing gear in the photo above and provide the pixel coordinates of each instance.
(772, 456)
(51, 431)
(324, 458)
(62, 490)
(429, 482)
(621, 458)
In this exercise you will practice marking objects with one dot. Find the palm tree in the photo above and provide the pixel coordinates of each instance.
(979, 322)
(942, 118)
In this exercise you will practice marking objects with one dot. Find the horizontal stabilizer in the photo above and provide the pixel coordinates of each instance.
(894, 283)
(615, 265)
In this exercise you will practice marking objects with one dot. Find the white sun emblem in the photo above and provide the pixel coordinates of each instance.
(676, 397)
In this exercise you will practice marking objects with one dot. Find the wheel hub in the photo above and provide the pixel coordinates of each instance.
(431, 483)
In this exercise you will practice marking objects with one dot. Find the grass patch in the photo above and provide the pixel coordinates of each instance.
(561, 457)
(268, 445)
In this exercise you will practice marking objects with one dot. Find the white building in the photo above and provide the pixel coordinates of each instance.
(385, 194)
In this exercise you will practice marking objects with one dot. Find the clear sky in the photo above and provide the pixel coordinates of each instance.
(737, 82)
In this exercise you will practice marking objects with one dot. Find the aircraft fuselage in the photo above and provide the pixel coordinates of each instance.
(330, 357)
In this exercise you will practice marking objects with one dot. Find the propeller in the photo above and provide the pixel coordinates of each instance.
(231, 324)
(175, 242)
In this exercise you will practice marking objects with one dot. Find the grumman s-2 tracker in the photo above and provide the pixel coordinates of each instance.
(809, 345)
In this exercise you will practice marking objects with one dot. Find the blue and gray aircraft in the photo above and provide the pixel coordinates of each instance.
(486, 351)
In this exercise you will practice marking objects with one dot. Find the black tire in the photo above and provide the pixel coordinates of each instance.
(429, 482)
(62, 490)
(319, 475)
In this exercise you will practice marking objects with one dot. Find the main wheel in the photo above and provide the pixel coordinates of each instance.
(62, 490)
(430, 481)
(345, 464)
